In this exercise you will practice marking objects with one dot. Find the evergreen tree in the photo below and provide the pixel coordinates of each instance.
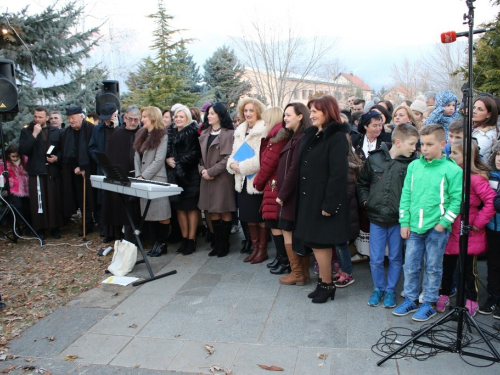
(169, 77)
(486, 71)
(46, 44)
(224, 76)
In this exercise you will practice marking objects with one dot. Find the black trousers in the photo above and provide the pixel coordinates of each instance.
(471, 280)
(493, 262)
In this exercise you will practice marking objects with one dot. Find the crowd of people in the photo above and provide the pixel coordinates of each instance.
(314, 177)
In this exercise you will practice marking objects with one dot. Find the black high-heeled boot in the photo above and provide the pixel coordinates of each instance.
(283, 263)
(224, 240)
(247, 245)
(217, 236)
(183, 246)
(325, 291)
(161, 244)
(315, 293)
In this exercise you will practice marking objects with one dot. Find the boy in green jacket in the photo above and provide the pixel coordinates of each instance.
(430, 203)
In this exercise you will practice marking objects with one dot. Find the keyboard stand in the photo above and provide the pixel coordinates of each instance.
(137, 232)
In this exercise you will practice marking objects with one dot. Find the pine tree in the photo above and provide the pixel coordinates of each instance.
(46, 44)
(169, 77)
(486, 70)
(223, 75)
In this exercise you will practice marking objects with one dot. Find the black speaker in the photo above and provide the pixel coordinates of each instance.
(8, 88)
(110, 93)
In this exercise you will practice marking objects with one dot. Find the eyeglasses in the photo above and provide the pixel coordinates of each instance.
(132, 119)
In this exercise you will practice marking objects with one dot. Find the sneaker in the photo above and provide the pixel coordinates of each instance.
(375, 298)
(425, 312)
(316, 268)
(344, 280)
(490, 306)
(453, 291)
(389, 299)
(421, 297)
(442, 303)
(472, 306)
(405, 308)
(402, 294)
(496, 315)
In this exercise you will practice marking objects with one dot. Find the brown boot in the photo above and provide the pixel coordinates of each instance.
(305, 268)
(263, 240)
(296, 277)
(254, 237)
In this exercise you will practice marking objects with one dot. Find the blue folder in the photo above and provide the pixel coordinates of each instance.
(244, 152)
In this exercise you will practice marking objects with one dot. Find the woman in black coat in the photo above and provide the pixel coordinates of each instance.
(187, 154)
(322, 219)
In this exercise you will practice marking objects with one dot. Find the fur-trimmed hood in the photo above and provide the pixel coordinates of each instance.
(145, 141)
(281, 135)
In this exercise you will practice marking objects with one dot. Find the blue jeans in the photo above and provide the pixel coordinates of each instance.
(344, 255)
(379, 237)
(429, 246)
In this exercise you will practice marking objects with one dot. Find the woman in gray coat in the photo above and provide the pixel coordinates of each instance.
(217, 185)
(150, 151)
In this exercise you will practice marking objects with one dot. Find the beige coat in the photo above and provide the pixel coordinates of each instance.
(252, 165)
(216, 195)
(152, 167)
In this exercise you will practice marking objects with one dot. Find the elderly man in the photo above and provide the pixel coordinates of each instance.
(99, 144)
(120, 151)
(77, 166)
(56, 120)
(41, 143)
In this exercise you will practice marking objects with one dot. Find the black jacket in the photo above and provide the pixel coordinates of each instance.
(187, 153)
(32, 148)
(380, 184)
(322, 185)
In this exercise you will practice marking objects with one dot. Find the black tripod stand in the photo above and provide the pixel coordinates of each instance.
(8, 200)
(460, 313)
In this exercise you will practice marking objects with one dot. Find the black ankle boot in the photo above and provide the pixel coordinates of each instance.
(283, 267)
(156, 250)
(190, 247)
(325, 291)
(182, 247)
(275, 263)
(315, 293)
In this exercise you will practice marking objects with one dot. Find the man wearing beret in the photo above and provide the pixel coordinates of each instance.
(99, 143)
(77, 166)
(41, 143)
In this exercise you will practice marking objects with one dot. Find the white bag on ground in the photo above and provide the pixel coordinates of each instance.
(124, 258)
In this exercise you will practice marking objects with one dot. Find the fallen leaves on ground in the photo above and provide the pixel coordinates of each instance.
(36, 280)
(216, 368)
(322, 356)
(271, 368)
(133, 325)
(71, 357)
(210, 349)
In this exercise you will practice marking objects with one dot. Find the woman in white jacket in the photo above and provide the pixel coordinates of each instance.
(251, 132)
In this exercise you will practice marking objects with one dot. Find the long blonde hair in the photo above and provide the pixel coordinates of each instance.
(271, 117)
(477, 165)
(155, 116)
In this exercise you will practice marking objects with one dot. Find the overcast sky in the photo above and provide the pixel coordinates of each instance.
(371, 35)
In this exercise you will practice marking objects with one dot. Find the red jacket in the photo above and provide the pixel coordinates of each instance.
(480, 192)
(267, 177)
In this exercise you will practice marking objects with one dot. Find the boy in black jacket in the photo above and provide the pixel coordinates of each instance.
(379, 190)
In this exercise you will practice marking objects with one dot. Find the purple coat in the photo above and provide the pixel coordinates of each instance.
(480, 192)
(287, 177)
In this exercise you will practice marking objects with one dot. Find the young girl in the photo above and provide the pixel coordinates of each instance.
(404, 115)
(445, 111)
(493, 237)
(480, 195)
(18, 179)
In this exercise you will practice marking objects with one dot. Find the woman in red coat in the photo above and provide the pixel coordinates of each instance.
(267, 177)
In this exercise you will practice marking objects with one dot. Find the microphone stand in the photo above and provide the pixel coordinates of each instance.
(460, 312)
(15, 212)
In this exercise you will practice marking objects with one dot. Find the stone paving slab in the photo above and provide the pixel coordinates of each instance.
(66, 324)
(250, 356)
(95, 348)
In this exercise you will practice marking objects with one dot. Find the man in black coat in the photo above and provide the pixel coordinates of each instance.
(41, 143)
(77, 166)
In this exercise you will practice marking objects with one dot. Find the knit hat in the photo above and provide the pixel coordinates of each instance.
(205, 106)
(418, 105)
